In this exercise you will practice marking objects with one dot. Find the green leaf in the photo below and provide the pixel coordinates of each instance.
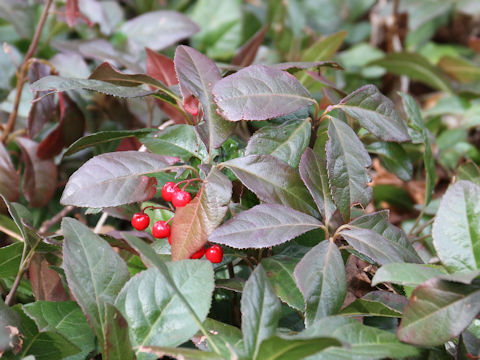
(321, 278)
(66, 318)
(95, 274)
(437, 311)
(460, 69)
(377, 303)
(469, 171)
(273, 181)
(260, 311)
(394, 158)
(194, 222)
(405, 274)
(376, 113)
(285, 348)
(226, 337)
(456, 229)
(117, 342)
(416, 67)
(158, 29)
(10, 257)
(347, 163)
(279, 269)
(104, 137)
(151, 306)
(176, 140)
(113, 179)
(22, 218)
(263, 226)
(313, 171)
(58, 83)
(286, 142)
(177, 353)
(416, 123)
(259, 92)
(364, 342)
(197, 75)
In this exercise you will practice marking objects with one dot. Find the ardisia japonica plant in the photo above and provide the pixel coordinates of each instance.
(247, 226)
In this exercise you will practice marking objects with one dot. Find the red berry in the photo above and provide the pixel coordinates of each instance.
(161, 229)
(170, 239)
(181, 198)
(168, 190)
(215, 254)
(199, 254)
(140, 221)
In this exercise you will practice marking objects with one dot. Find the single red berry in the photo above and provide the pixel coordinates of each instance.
(170, 239)
(140, 221)
(199, 254)
(161, 229)
(181, 198)
(215, 254)
(168, 190)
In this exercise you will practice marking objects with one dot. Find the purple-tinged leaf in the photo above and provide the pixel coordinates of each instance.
(321, 278)
(44, 108)
(377, 303)
(9, 178)
(302, 65)
(313, 171)
(285, 142)
(197, 75)
(46, 282)
(438, 311)
(113, 179)
(159, 29)
(263, 226)
(193, 223)
(378, 248)
(95, 274)
(40, 176)
(58, 83)
(456, 229)
(260, 311)
(273, 181)
(347, 163)
(246, 54)
(376, 113)
(259, 92)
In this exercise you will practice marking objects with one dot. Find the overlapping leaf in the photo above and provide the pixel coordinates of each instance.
(405, 274)
(259, 92)
(113, 179)
(9, 178)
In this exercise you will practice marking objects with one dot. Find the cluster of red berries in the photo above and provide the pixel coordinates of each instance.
(161, 229)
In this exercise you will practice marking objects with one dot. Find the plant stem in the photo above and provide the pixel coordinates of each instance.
(417, 221)
(23, 69)
(48, 223)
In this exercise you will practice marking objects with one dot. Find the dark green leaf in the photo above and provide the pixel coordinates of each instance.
(197, 75)
(416, 67)
(226, 337)
(364, 342)
(193, 223)
(456, 230)
(177, 353)
(259, 92)
(10, 257)
(286, 142)
(263, 226)
(260, 311)
(394, 158)
(405, 274)
(66, 318)
(321, 278)
(313, 171)
(377, 303)
(104, 137)
(285, 348)
(279, 269)
(437, 311)
(176, 140)
(117, 342)
(347, 163)
(113, 179)
(58, 83)
(273, 181)
(376, 113)
(95, 273)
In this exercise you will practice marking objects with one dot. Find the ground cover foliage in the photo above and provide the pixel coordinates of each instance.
(301, 177)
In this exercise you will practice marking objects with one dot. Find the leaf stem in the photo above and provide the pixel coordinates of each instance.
(417, 221)
(23, 69)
